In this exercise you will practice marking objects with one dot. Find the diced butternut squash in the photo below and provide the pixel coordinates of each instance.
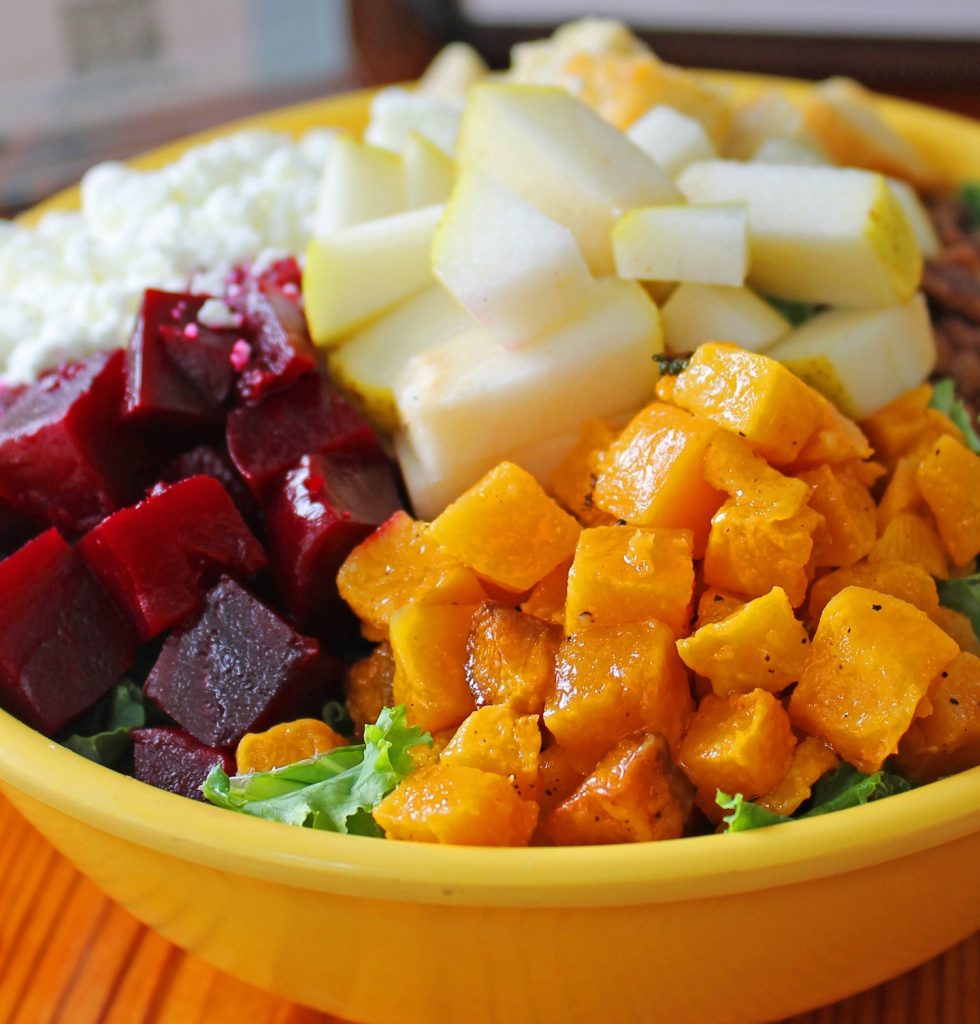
(948, 740)
(510, 658)
(622, 574)
(751, 395)
(369, 686)
(812, 758)
(498, 739)
(740, 743)
(424, 754)
(285, 744)
(451, 803)
(507, 529)
(651, 474)
(428, 643)
(634, 795)
(848, 531)
(573, 481)
(715, 605)
(910, 537)
(837, 439)
(760, 646)
(733, 466)
(402, 563)
(903, 580)
(902, 492)
(949, 479)
(611, 681)
(547, 598)
(895, 429)
(871, 662)
(560, 772)
(959, 627)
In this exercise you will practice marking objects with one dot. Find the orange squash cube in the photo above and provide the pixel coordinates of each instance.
(507, 529)
(623, 574)
(497, 739)
(959, 627)
(902, 492)
(949, 479)
(652, 473)
(611, 681)
(895, 430)
(836, 440)
(948, 740)
(634, 795)
(452, 803)
(871, 662)
(547, 598)
(369, 687)
(903, 580)
(848, 531)
(401, 563)
(510, 658)
(574, 480)
(759, 646)
(753, 396)
(740, 743)
(733, 466)
(284, 744)
(715, 605)
(812, 758)
(560, 772)
(428, 643)
(911, 537)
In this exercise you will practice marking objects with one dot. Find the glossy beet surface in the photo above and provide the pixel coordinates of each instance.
(170, 759)
(63, 641)
(158, 558)
(213, 460)
(237, 669)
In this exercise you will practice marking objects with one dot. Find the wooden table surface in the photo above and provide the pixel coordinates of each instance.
(68, 955)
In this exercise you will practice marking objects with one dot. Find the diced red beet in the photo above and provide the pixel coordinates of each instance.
(237, 669)
(322, 508)
(308, 418)
(213, 460)
(158, 558)
(177, 369)
(170, 759)
(63, 641)
(64, 458)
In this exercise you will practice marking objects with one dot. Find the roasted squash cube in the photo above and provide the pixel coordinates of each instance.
(837, 439)
(901, 492)
(849, 527)
(911, 537)
(498, 739)
(733, 466)
(623, 574)
(401, 563)
(428, 643)
(634, 795)
(959, 627)
(871, 662)
(507, 529)
(611, 681)
(369, 687)
(510, 658)
(903, 580)
(759, 646)
(715, 605)
(453, 803)
(285, 744)
(547, 598)
(812, 758)
(949, 479)
(560, 772)
(574, 480)
(895, 429)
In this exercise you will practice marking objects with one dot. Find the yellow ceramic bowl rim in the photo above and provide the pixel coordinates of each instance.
(684, 869)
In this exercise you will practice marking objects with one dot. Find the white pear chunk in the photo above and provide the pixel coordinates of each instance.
(353, 274)
(471, 399)
(454, 69)
(514, 269)
(368, 364)
(769, 115)
(698, 244)
(862, 359)
(429, 172)
(777, 150)
(396, 112)
(696, 313)
(918, 217)
(672, 139)
(562, 157)
(817, 234)
(360, 183)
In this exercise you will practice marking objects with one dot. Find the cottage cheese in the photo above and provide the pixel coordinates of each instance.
(72, 284)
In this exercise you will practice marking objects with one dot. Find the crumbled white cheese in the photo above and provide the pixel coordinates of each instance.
(72, 285)
(397, 112)
(214, 313)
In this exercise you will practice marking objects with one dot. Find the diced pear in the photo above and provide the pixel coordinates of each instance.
(429, 173)
(698, 244)
(817, 234)
(777, 150)
(862, 359)
(769, 115)
(563, 158)
(672, 139)
(454, 69)
(918, 217)
(396, 112)
(516, 270)
(360, 183)
(471, 399)
(368, 364)
(696, 313)
(358, 272)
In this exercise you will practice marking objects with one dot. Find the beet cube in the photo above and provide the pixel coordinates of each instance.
(213, 460)
(237, 669)
(170, 759)
(158, 558)
(63, 641)
(281, 350)
(308, 418)
(63, 457)
(321, 509)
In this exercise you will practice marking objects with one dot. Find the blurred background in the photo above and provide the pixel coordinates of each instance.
(85, 80)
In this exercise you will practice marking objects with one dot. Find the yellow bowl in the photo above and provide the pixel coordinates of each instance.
(739, 928)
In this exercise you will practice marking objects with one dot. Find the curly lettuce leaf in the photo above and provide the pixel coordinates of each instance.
(744, 815)
(944, 399)
(335, 792)
(962, 594)
(970, 198)
(127, 710)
